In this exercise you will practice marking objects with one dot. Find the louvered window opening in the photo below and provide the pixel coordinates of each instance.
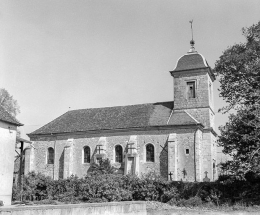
(191, 89)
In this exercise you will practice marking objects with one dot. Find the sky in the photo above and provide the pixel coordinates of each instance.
(60, 55)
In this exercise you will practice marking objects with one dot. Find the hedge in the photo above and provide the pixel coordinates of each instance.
(112, 187)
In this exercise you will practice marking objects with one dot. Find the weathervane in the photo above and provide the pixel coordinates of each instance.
(192, 42)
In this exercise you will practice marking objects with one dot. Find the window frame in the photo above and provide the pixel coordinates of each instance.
(194, 91)
(83, 155)
(210, 92)
(50, 156)
(146, 153)
(122, 154)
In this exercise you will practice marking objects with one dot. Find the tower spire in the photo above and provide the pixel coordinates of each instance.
(192, 42)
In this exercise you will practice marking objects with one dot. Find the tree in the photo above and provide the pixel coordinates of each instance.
(240, 139)
(8, 102)
(102, 167)
(238, 70)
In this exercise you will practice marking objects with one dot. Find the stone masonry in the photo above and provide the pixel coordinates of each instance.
(69, 157)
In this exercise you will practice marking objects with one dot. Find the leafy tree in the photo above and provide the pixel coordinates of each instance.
(241, 141)
(103, 167)
(238, 70)
(8, 102)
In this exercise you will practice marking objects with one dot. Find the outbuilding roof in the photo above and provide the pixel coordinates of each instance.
(7, 117)
(119, 117)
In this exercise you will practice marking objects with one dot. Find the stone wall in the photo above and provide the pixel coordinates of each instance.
(204, 115)
(110, 208)
(208, 155)
(202, 83)
(69, 153)
(185, 161)
(56, 170)
(201, 107)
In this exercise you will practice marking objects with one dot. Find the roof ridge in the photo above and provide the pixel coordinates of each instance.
(150, 103)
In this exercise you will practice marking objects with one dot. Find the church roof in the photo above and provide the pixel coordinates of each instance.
(119, 117)
(192, 60)
(7, 117)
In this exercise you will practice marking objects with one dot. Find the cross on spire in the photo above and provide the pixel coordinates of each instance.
(191, 29)
(192, 42)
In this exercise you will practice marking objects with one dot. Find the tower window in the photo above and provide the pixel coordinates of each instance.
(50, 156)
(86, 154)
(149, 153)
(191, 89)
(187, 151)
(210, 92)
(119, 153)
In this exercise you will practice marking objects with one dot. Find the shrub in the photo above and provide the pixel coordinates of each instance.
(65, 190)
(103, 167)
(34, 187)
(148, 187)
(101, 187)
(169, 194)
(191, 202)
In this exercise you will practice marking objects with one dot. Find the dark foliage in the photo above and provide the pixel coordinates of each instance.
(102, 167)
(112, 187)
(238, 71)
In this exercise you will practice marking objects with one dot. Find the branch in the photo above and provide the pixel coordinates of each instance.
(253, 153)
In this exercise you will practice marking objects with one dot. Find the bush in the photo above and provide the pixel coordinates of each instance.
(191, 202)
(101, 187)
(170, 194)
(103, 167)
(34, 187)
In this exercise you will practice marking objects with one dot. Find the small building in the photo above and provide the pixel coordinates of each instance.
(8, 128)
(175, 139)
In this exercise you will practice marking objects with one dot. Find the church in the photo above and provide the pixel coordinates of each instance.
(175, 139)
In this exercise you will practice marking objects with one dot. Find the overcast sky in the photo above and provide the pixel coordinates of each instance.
(61, 54)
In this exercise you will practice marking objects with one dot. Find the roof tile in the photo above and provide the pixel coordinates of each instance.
(191, 61)
(7, 117)
(119, 117)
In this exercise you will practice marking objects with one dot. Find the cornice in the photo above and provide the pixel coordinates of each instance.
(110, 131)
(185, 108)
(210, 129)
(198, 70)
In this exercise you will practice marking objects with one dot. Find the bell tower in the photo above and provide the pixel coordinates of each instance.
(193, 93)
(193, 86)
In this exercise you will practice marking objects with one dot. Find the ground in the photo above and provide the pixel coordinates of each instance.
(158, 208)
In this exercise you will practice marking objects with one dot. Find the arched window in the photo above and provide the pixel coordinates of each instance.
(50, 156)
(149, 153)
(119, 153)
(86, 154)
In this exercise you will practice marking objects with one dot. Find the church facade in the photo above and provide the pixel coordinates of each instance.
(175, 139)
